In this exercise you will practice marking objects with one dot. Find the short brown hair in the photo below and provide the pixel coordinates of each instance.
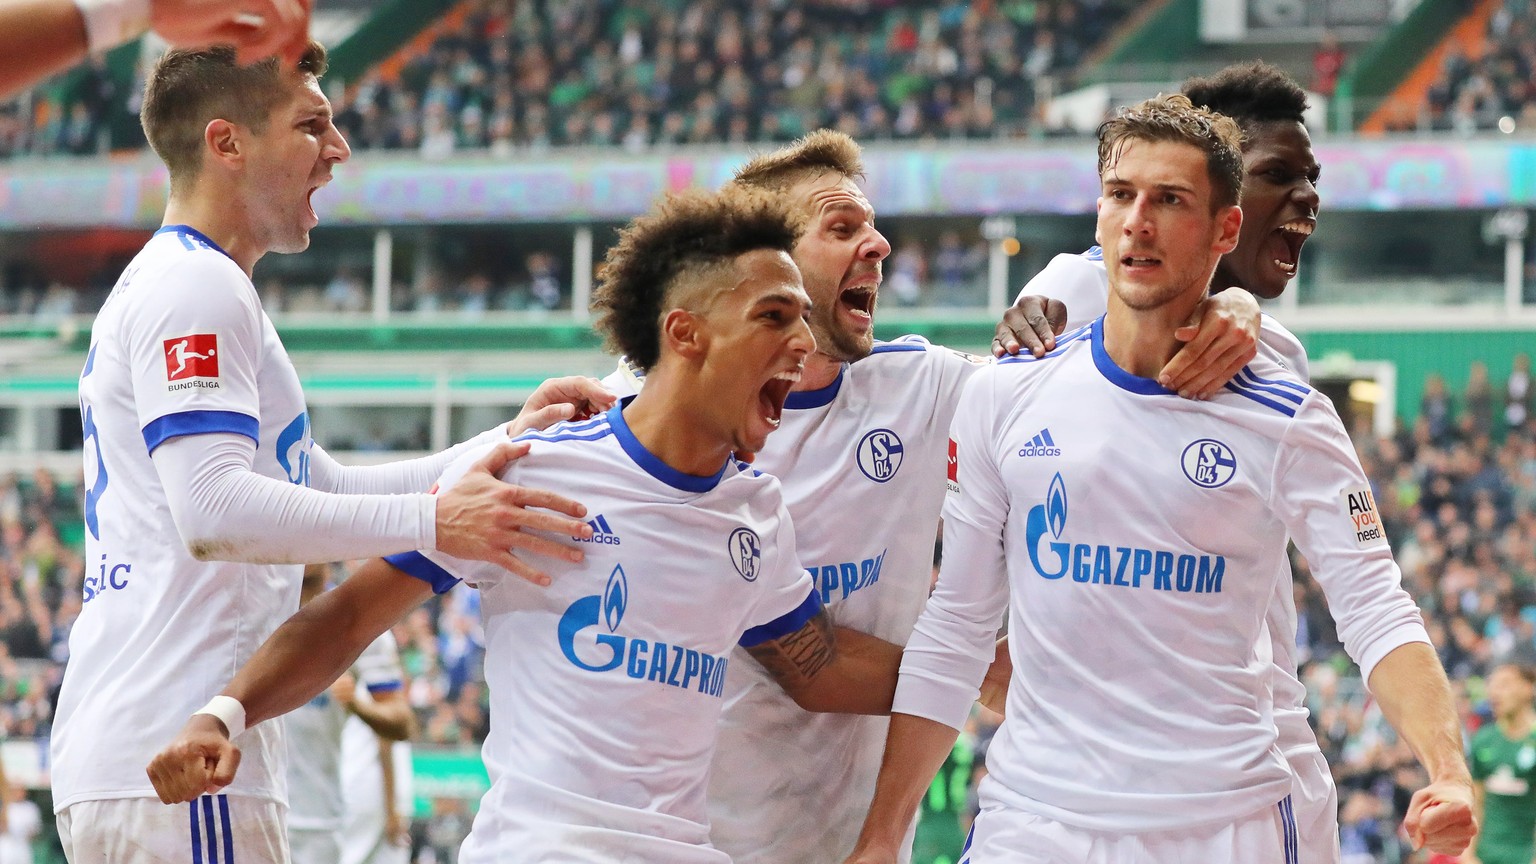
(1175, 118)
(189, 89)
(686, 235)
(815, 154)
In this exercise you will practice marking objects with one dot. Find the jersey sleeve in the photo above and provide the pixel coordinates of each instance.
(194, 347)
(1322, 496)
(1078, 281)
(441, 570)
(788, 598)
(625, 380)
(378, 667)
(952, 644)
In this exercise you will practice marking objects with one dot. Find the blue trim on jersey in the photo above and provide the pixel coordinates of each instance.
(385, 686)
(1245, 382)
(193, 239)
(1094, 253)
(654, 466)
(1288, 830)
(894, 347)
(1117, 376)
(784, 624)
(209, 825)
(1247, 376)
(196, 834)
(229, 835)
(594, 429)
(162, 429)
(1262, 399)
(1063, 342)
(417, 565)
(816, 398)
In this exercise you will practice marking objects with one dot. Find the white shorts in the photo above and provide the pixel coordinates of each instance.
(314, 845)
(1005, 835)
(214, 829)
(1316, 804)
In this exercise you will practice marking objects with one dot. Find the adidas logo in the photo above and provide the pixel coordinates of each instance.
(601, 533)
(1041, 445)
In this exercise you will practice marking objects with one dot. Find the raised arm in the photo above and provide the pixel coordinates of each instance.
(832, 669)
(302, 658)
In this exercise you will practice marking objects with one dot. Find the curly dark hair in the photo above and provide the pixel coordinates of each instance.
(812, 155)
(686, 235)
(1250, 93)
(1175, 118)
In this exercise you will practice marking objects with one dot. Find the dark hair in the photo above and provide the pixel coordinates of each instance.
(1174, 118)
(1250, 93)
(188, 89)
(815, 154)
(685, 235)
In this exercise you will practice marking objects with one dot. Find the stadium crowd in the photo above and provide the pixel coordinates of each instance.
(1456, 488)
(514, 76)
(1475, 93)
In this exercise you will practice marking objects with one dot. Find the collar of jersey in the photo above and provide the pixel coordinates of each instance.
(648, 461)
(194, 234)
(1117, 376)
(817, 398)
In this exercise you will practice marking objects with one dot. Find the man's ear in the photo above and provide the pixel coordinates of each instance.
(683, 333)
(1231, 221)
(224, 142)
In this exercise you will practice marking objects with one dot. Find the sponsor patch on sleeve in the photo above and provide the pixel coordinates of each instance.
(953, 483)
(193, 356)
(1364, 519)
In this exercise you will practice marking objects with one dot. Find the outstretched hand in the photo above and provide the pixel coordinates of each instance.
(575, 397)
(1032, 323)
(200, 761)
(483, 518)
(1221, 337)
(257, 28)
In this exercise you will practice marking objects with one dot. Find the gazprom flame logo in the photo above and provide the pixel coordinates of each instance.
(603, 651)
(615, 598)
(1050, 517)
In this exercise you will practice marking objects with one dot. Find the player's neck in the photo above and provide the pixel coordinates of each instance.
(1141, 341)
(661, 422)
(1518, 725)
(819, 372)
(219, 222)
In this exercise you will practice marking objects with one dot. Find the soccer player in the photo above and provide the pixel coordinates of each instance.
(606, 686)
(1280, 207)
(861, 453)
(1136, 558)
(204, 487)
(314, 735)
(1504, 770)
(41, 37)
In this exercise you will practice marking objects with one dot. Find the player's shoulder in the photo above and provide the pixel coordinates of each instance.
(1277, 340)
(906, 352)
(180, 265)
(1025, 363)
(1089, 262)
(1269, 385)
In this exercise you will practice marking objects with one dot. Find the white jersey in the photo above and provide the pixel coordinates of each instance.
(1135, 539)
(862, 462)
(180, 347)
(314, 739)
(1082, 283)
(606, 687)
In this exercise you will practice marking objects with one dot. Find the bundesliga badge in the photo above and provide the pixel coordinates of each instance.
(195, 356)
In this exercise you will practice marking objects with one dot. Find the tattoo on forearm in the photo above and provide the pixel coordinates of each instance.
(802, 654)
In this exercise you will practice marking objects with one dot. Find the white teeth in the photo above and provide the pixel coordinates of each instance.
(773, 421)
(1287, 267)
(1299, 226)
(792, 376)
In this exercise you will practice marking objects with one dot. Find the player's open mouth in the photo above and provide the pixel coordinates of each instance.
(1137, 262)
(1284, 246)
(859, 302)
(771, 398)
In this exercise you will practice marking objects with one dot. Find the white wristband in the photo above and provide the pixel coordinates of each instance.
(228, 710)
(110, 23)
